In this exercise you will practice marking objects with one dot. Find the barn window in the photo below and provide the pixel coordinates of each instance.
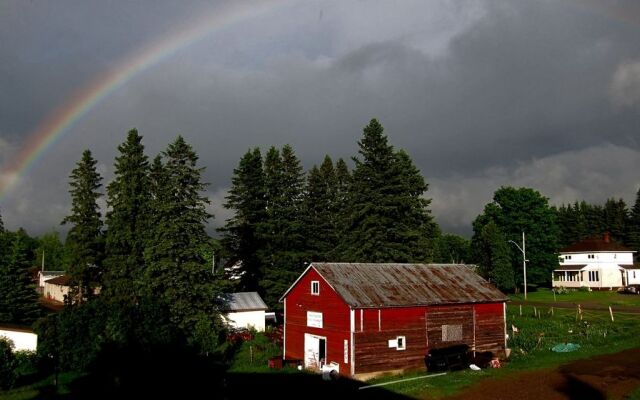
(401, 343)
(315, 288)
(451, 333)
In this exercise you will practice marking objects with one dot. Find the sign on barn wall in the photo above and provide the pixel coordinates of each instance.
(314, 319)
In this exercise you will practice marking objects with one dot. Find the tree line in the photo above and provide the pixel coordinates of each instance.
(150, 255)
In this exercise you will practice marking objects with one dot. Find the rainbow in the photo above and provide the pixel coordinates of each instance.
(84, 100)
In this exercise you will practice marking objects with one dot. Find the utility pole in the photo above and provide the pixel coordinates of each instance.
(524, 262)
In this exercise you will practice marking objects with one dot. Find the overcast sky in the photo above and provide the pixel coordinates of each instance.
(543, 94)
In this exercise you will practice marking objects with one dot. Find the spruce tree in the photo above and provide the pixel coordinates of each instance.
(321, 211)
(177, 272)
(284, 251)
(84, 240)
(246, 198)
(387, 219)
(127, 221)
(633, 227)
(18, 299)
(615, 215)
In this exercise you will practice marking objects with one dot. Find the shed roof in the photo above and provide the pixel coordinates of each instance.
(401, 285)
(245, 301)
(62, 280)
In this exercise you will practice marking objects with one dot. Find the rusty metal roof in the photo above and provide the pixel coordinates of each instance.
(401, 285)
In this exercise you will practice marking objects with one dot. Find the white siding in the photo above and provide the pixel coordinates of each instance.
(633, 277)
(247, 319)
(21, 340)
(55, 292)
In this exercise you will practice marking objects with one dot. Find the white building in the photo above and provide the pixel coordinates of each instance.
(597, 263)
(22, 339)
(246, 310)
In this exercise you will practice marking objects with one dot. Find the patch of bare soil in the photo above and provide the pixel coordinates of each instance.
(608, 376)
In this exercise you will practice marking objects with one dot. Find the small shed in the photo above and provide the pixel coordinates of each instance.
(44, 276)
(57, 288)
(246, 310)
(365, 318)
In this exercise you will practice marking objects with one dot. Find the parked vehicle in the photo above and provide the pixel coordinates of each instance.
(631, 289)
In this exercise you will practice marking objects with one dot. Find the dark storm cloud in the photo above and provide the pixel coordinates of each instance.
(481, 94)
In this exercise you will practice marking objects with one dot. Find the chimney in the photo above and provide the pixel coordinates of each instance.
(606, 237)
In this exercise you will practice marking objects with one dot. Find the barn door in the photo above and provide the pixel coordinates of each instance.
(315, 348)
(449, 326)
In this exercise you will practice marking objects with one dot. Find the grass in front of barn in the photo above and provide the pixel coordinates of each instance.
(531, 347)
(603, 298)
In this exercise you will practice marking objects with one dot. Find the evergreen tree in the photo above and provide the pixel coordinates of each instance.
(84, 240)
(633, 227)
(523, 210)
(493, 255)
(127, 221)
(246, 198)
(283, 233)
(387, 219)
(177, 273)
(615, 215)
(18, 297)
(321, 211)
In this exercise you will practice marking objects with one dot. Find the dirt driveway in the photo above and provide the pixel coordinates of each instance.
(609, 376)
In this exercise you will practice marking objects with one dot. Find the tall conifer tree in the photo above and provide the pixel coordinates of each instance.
(177, 272)
(283, 232)
(387, 219)
(18, 297)
(240, 233)
(321, 212)
(633, 227)
(127, 220)
(85, 241)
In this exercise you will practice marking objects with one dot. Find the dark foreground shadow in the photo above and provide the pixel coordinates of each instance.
(166, 374)
(576, 389)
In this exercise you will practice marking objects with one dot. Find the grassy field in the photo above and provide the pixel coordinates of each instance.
(603, 298)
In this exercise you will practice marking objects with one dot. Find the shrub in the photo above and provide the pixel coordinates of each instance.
(7, 364)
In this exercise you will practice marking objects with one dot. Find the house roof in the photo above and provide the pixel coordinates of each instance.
(245, 301)
(576, 267)
(594, 245)
(401, 285)
(62, 280)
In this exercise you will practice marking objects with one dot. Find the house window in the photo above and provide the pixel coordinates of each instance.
(591, 256)
(315, 288)
(567, 257)
(594, 276)
(401, 343)
(451, 333)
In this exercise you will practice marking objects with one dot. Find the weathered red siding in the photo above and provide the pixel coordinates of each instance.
(373, 328)
(335, 315)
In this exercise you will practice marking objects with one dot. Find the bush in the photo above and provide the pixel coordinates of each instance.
(7, 364)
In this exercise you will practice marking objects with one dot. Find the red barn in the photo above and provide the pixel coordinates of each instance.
(369, 318)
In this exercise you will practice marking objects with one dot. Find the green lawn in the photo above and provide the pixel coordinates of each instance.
(604, 298)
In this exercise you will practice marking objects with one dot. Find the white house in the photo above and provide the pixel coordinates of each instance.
(246, 310)
(597, 263)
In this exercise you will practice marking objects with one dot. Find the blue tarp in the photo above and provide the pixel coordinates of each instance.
(565, 347)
